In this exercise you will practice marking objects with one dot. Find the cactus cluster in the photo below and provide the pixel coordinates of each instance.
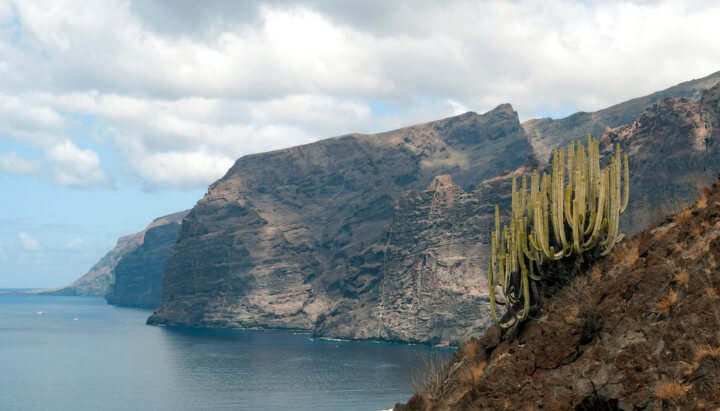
(575, 208)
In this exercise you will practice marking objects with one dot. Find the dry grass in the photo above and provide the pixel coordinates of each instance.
(596, 274)
(432, 379)
(697, 230)
(702, 201)
(700, 353)
(475, 371)
(682, 276)
(632, 255)
(670, 390)
(710, 291)
(667, 302)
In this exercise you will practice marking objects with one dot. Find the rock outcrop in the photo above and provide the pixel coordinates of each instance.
(639, 330)
(296, 235)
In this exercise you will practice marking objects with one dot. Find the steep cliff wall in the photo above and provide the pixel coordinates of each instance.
(270, 244)
(425, 281)
(139, 274)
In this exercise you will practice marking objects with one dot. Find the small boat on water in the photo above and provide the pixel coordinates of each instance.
(75, 318)
(41, 312)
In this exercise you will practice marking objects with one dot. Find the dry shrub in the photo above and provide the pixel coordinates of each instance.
(475, 371)
(432, 378)
(632, 255)
(700, 353)
(596, 274)
(710, 291)
(668, 301)
(670, 390)
(697, 230)
(702, 201)
(682, 276)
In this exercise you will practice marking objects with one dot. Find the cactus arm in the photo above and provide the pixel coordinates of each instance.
(626, 196)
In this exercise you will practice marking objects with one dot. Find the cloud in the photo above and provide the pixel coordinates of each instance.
(14, 164)
(177, 90)
(28, 242)
(75, 243)
(75, 167)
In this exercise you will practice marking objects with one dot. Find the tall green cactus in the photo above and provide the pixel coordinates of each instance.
(575, 208)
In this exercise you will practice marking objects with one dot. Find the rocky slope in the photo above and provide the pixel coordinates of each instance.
(139, 274)
(546, 133)
(98, 280)
(674, 148)
(638, 330)
(290, 236)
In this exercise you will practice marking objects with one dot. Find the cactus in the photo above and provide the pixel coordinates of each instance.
(575, 208)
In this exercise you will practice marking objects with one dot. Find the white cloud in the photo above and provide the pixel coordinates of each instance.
(28, 242)
(176, 92)
(75, 243)
(75, 167)
(14, 164)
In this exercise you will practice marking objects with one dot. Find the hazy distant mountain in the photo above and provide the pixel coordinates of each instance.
(101, 277)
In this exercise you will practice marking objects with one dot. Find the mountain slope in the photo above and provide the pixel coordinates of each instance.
(273, 242)
(546, 133)
(639, 330)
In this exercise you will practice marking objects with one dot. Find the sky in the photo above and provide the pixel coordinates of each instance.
(115, 112)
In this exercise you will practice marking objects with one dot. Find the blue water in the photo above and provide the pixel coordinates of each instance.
(109, 359)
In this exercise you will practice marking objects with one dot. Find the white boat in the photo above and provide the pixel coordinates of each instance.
(75, 318)
(41, 313)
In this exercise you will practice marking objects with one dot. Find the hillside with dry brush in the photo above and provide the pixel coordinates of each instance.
(639, 329)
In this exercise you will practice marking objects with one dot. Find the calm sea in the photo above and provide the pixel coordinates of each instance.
(108, 358)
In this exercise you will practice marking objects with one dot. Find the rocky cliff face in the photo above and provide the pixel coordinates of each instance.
(674, 148)
(546, 134)
(293, 235)
(424, 281)
(639, 330)
(139, 274)
(383, 236)
(98, 281)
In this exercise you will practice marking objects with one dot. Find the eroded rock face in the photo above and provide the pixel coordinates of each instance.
(270, 244)
(425, 281)
(674, 149)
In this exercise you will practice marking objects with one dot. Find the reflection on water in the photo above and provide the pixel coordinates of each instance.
(109, 358)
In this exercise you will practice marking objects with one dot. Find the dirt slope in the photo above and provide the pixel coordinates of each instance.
(639, 330)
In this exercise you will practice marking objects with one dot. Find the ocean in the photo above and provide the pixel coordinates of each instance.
(78, 353)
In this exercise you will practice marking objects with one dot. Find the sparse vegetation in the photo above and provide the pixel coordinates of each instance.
(574, 209)
(670, 390)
